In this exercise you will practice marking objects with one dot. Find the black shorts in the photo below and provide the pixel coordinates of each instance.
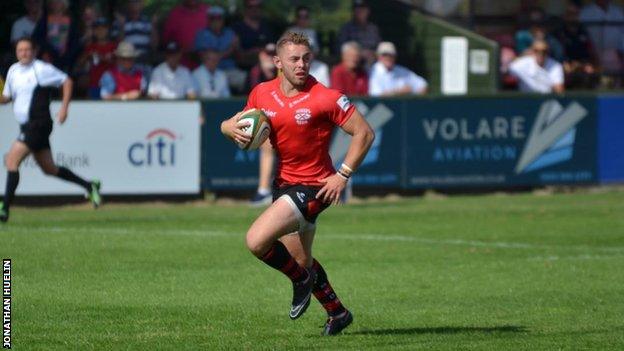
(303, 200)
(36, 135)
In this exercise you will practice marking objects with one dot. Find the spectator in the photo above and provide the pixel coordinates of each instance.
(125, 81)
(265, 69)
(210, 81)
(182, 25)
(25, 25)
(218, 38)
(359, 29)
(389, 79)
(538, 73)
(605, 23)
(302, 25)
(537, 31)
(579, 60)
(98, 57)
(253, 32)
(57, 36)
(319, 70)
(90, 13)
(349, 76)
(170, 80)
(136, 28)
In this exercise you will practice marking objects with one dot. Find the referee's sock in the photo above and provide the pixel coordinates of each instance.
(69, 176)
(324, 292)
(279, 258)
(11, 184)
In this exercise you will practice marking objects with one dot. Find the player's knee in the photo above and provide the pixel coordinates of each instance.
(255, 245)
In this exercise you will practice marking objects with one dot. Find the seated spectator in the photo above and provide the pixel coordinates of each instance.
(210, 81)
(537, 31)
(182, 25)
(24, 26)
(538, 73)
(171, 80)
(136, 28)
(254, 33)
(389, 79)
(303, 26)
(265, 69)
(605, 24)
(349, 76)
(579, 59)
(218, 38)
(57, 36)
(97, 57)
(359, 29)
(125, 81)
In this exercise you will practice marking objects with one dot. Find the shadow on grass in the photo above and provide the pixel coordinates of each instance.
(441, 330)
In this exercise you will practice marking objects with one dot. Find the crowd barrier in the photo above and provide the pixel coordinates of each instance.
(504, 141)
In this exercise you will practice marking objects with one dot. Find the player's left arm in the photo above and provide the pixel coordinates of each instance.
(361, 141)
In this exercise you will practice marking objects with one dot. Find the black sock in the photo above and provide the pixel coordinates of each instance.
(69, 176)
(11, 185)
(324, 292)
(279, 258)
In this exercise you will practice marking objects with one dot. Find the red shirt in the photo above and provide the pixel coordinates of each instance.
(301, 128)
(183, 24)
(104, 53)
(125, 82)
(349, 82)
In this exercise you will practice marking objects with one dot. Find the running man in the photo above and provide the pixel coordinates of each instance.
(303, 114)
(28, 85)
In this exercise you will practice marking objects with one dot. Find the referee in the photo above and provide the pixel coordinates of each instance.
(28, 84)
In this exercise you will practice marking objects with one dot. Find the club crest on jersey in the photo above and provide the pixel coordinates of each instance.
(303, 115)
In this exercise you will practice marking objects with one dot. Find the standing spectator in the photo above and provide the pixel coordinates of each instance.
(210, 81)
(97, 57)
(136, 28)
(538, 73)
(265, 69)
(359, 29)
(170, 80)
(125, 81)
(303, 25)
(25, 25)
(90, 13)
(579, 59)
(537, 31)
(605, 23)
(389, 79)
(218, 38)
(349, 76)
(182, 25)
(254, 33)
(57, 36)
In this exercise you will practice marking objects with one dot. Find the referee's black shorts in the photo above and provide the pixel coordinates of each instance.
(36, 134)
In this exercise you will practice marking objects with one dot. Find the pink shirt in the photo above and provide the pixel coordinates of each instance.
(183, 24)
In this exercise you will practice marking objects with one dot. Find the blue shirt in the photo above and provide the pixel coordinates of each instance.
(207, 39)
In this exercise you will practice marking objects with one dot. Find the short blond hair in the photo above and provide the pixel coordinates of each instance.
(293, 38)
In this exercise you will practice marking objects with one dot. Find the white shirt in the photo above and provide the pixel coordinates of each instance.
(22, 28)
(211, 84)
(383, 80)
(535, 78)
(607, 36)
(22, 80)
(320, 71)
(167, 84)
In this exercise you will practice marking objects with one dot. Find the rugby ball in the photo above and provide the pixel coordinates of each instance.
(259, 128)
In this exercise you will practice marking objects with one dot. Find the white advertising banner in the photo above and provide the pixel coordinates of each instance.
(132, 147)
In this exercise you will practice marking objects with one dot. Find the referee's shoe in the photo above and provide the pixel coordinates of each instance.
(4, 213)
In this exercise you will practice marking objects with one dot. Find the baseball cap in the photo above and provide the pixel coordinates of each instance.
(172, 47)
(215, 11)
(270, 49)
(359, 3)
(100, 21)
(386, 48)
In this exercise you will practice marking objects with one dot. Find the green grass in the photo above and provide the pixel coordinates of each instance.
(473, 273)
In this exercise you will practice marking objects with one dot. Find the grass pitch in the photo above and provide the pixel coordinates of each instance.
(473, 273)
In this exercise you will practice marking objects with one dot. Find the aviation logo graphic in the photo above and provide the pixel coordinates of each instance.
(552, 137)
(377, 117)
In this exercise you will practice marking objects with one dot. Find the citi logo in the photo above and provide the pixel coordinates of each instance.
(158, 149)
(552, 137)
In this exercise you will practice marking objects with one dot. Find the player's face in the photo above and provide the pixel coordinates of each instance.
(24, 52)
(294, 61)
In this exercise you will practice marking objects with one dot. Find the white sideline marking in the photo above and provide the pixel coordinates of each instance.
(367, 237)
(573, 258)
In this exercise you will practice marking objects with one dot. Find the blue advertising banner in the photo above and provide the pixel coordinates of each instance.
(500, 142)
(611, 147)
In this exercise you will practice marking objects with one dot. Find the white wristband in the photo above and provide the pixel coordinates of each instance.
(342, 176)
